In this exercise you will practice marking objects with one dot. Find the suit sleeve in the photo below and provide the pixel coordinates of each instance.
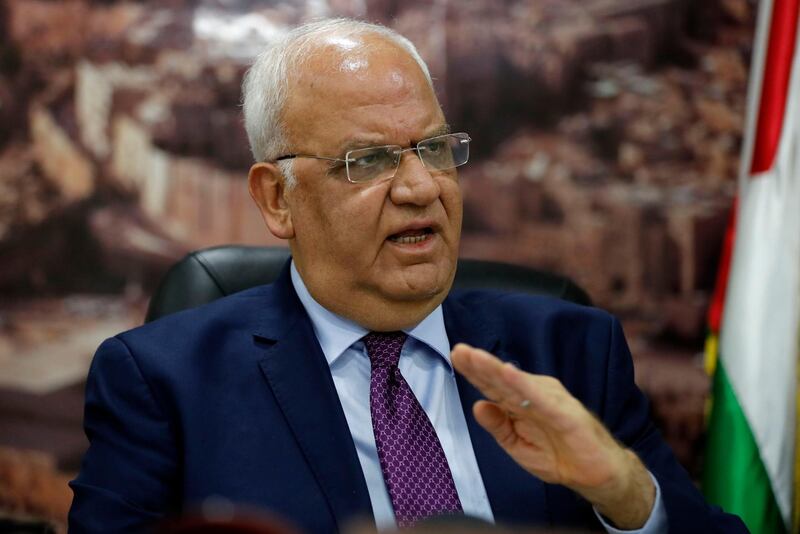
(626, 413)
(128, 475)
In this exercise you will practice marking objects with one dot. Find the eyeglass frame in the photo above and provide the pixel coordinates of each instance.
(414, 148)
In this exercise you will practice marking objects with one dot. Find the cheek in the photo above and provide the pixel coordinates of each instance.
(451, 200)
(343, 222)
(313, 218)
(360, 212)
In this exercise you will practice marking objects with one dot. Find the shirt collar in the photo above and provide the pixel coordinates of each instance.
(336, 334)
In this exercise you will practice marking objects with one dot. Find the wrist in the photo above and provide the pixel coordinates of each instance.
(627, 499)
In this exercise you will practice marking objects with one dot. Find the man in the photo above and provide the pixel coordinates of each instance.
(331, 394)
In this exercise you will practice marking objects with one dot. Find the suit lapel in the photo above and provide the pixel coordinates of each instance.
(514, 495)
(298, 374)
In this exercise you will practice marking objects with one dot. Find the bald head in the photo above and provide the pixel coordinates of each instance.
(340, 46)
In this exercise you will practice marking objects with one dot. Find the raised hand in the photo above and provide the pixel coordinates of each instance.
(552, 435)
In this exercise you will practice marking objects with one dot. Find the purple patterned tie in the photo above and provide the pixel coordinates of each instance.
(412, 460)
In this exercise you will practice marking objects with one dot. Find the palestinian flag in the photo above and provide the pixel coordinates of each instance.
(750, 467)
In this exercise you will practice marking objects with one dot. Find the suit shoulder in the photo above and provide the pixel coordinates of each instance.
(228, 310)
(555, 336)
(195, 337)
(523, 308)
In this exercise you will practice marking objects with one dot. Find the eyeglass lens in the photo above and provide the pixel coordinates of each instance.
(437, 154)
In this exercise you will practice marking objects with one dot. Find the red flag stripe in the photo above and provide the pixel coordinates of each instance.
(717, 304)
(775, 85)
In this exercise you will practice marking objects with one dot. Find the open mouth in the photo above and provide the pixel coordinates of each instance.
(412, 237)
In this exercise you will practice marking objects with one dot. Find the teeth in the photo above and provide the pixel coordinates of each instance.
(410, 239)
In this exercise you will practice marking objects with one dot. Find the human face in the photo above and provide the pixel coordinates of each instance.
(380, 253)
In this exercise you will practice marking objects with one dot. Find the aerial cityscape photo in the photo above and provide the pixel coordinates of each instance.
(606, 139)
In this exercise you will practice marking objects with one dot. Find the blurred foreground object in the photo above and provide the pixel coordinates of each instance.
(221, 516)
(463, 525)
(218, 515)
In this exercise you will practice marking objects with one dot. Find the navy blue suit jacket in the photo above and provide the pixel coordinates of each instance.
(235, 399)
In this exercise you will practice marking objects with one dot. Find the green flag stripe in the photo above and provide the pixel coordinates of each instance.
(734, 476)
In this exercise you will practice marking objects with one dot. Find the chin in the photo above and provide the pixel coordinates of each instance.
(421, 288)
(420, 294)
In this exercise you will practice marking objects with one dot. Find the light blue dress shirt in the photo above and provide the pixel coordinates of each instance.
(425, 364)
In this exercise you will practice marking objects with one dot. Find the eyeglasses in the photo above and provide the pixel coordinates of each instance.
(438, 153)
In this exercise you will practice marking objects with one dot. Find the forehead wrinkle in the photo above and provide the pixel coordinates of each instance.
(314, 103)
(402, 133)
(379, 139)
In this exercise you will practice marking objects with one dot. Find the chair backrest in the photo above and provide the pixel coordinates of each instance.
(206, 275)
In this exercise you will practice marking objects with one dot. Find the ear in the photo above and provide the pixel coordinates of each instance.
(268, 189)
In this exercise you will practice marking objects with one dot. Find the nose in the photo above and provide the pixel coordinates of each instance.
(413, 183)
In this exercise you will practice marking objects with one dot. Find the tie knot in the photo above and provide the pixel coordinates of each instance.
(384, 348)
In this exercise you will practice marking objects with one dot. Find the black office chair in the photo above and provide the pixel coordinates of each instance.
(206, 275)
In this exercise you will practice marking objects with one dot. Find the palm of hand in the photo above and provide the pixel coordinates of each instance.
(571, 449)
(554, 437)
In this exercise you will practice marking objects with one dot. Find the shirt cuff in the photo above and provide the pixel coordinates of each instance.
(656, 523)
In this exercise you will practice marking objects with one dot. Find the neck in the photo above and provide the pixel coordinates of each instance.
(381, 315)
(369, 310)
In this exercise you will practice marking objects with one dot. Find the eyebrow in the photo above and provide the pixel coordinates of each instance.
(367, 142)
(364, 142)
(444, 129)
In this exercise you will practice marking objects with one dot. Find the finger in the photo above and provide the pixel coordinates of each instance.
(461, 358)
(496, 391)
(544, 394)
(486, 372)
(540, 398)
(481, 368)
(548, 400)
(466, 360)
(477, 367)
(497, 422)
(524, 395)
